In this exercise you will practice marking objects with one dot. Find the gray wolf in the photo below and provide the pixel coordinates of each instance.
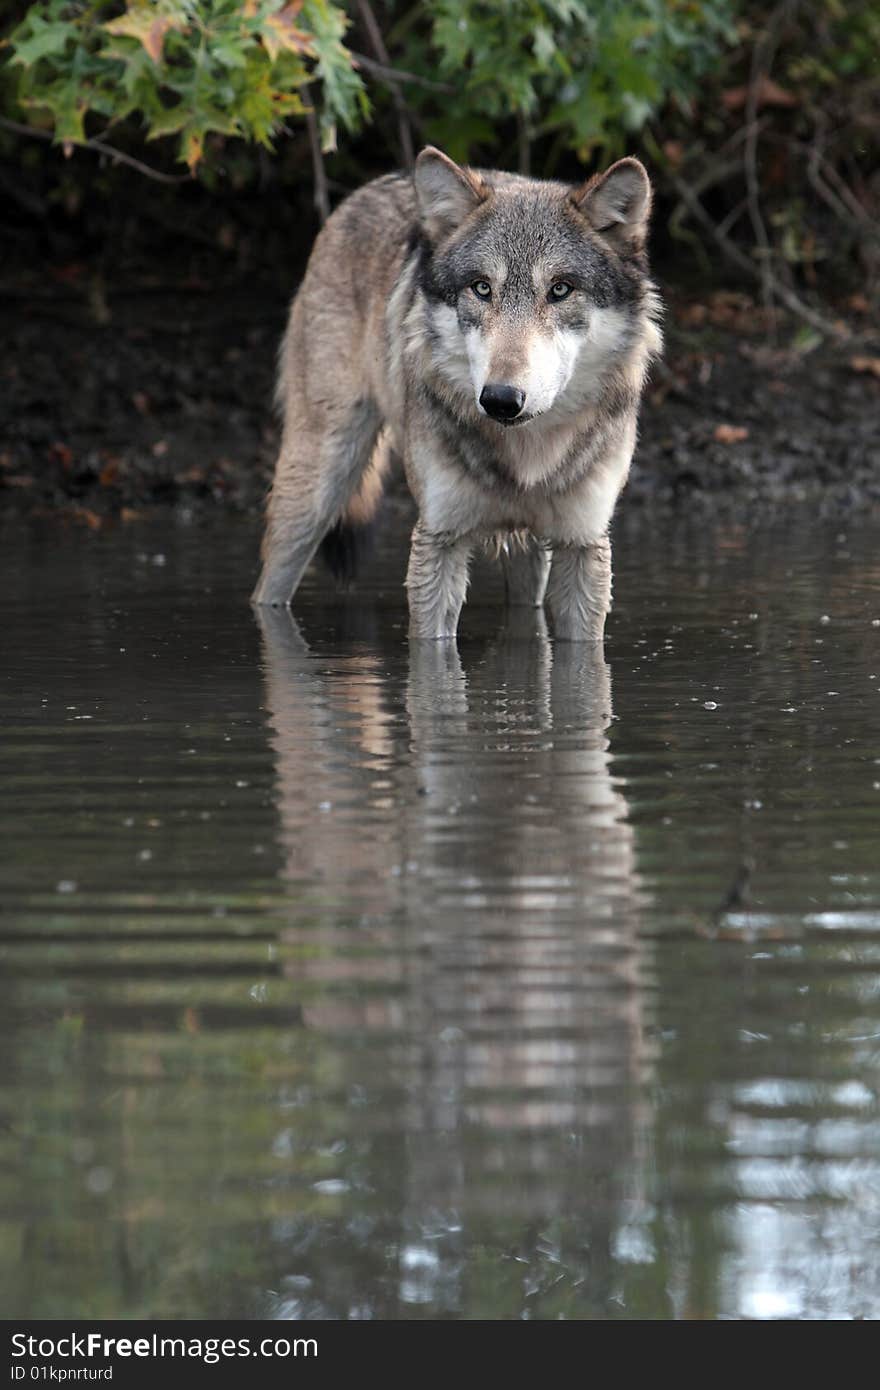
(494, 332)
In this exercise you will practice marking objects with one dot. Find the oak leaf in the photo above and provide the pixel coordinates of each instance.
(730, 434)
(768, 93)
(280, 31)
(870, 365)
(144, 24)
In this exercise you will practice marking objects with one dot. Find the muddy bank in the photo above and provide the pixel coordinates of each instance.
(169, 403)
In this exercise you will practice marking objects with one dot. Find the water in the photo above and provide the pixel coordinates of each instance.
(340, 980)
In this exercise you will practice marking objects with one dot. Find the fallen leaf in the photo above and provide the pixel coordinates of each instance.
(60, 453)
(769, 93)
(730, 434)
(128, 514)
(87, 517)
(693, 315)
(160, 448)
(870, 365)
(674, 151)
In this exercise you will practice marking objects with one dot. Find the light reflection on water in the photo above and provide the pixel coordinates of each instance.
(347, 980)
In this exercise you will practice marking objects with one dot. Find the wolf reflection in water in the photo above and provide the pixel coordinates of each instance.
(465, 932)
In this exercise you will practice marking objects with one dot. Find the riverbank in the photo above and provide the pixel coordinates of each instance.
(122, 405)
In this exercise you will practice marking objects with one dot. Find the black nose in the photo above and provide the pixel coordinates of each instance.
(502, 402)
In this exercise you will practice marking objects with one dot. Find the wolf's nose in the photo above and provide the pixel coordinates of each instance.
(502, 402)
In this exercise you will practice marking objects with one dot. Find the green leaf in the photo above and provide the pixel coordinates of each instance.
(47, 40)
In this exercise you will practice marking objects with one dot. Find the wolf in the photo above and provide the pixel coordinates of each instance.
(494, 332)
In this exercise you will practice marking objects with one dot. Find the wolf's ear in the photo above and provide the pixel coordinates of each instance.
(617, 203)
(445, 193)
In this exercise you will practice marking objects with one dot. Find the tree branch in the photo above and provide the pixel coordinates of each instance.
(404, 129)
(762, 59)
(786, 296)
(322, 193)
(524, 144)
(390, 75)
(110, 151)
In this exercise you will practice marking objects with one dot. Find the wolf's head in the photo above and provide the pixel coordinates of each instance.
(534, 289)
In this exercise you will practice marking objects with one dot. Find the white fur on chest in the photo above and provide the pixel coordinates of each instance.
(453, 502)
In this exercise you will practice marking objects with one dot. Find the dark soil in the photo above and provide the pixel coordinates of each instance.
(169, 403)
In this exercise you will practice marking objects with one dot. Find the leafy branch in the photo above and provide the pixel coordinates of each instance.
(188, 68)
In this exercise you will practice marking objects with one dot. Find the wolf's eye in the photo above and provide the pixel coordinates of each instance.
(482, 289)
(561, 290)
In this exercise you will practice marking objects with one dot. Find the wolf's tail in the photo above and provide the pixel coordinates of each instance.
(351, 540)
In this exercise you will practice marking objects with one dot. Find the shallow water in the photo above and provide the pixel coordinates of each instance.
(345, 980)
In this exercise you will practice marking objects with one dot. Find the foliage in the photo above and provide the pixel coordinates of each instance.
(797, 102)
(586, 71)
(187, 68)
(770, 117)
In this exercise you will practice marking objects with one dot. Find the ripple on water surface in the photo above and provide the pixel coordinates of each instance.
(347, 979)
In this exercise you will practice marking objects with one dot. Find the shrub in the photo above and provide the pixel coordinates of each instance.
(185, 68)
(762, 126)
(583, 73)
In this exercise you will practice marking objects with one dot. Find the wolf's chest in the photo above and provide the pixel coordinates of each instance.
(460, 492)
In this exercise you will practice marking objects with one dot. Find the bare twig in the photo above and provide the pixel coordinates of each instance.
(524, 144)
(783, 293)
(753, 196)
(322, 193)
(404, 129)
(762, 59)
(391, 76)
(829, 197)
(752, 128)
(833, 189)
(716, 173)
(849, 200)
(720, 170)
(732, 217)
(110, 151)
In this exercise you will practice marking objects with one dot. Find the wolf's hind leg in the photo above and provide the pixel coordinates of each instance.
(315, 477)
(526, 571)
(296, 523)
(436, 582)
(579, 592)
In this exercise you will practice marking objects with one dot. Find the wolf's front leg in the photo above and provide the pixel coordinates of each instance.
(580, 591)
(436, 582)
(526, 571)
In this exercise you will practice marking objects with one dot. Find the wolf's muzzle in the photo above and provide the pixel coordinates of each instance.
(503, 403)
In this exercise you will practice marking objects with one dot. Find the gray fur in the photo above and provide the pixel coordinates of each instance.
(436, 582)
(419, 295)
(579, 595)
(526, 572)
